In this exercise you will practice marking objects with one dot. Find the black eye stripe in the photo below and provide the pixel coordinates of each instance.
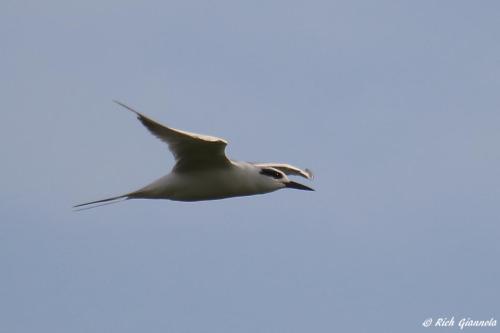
(272, 173)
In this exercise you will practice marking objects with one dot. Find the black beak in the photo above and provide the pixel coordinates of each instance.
(298, 186)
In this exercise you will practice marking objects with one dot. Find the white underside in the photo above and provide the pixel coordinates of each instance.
(238, 180)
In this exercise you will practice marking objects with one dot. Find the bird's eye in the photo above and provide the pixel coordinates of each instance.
(271, 173)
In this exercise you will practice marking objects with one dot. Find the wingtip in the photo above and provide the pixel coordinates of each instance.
(117, 102)
(126, 106)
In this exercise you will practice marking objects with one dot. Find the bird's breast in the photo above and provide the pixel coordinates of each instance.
(211, 185)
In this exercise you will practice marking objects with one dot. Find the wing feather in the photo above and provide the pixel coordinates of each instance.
(191, 151)
(288, 169)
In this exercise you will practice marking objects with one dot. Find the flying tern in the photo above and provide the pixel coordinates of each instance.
(203, 172)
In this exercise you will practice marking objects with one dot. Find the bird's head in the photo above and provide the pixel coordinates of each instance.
(278, 179)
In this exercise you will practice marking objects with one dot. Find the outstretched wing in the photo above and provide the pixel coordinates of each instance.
(191, 151)
(287, 169)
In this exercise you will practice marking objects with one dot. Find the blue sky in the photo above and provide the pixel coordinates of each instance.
(393, 104)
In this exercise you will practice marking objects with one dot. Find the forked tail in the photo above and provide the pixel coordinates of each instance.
(102, 202)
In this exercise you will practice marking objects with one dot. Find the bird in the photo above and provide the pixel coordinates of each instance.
(203, 172)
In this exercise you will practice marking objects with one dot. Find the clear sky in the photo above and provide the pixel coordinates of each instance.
(394, 105)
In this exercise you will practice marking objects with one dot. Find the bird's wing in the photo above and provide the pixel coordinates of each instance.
(191, 151)
(288, 169)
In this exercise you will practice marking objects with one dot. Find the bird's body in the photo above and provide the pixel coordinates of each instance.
(238, 179)
(203, 172)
